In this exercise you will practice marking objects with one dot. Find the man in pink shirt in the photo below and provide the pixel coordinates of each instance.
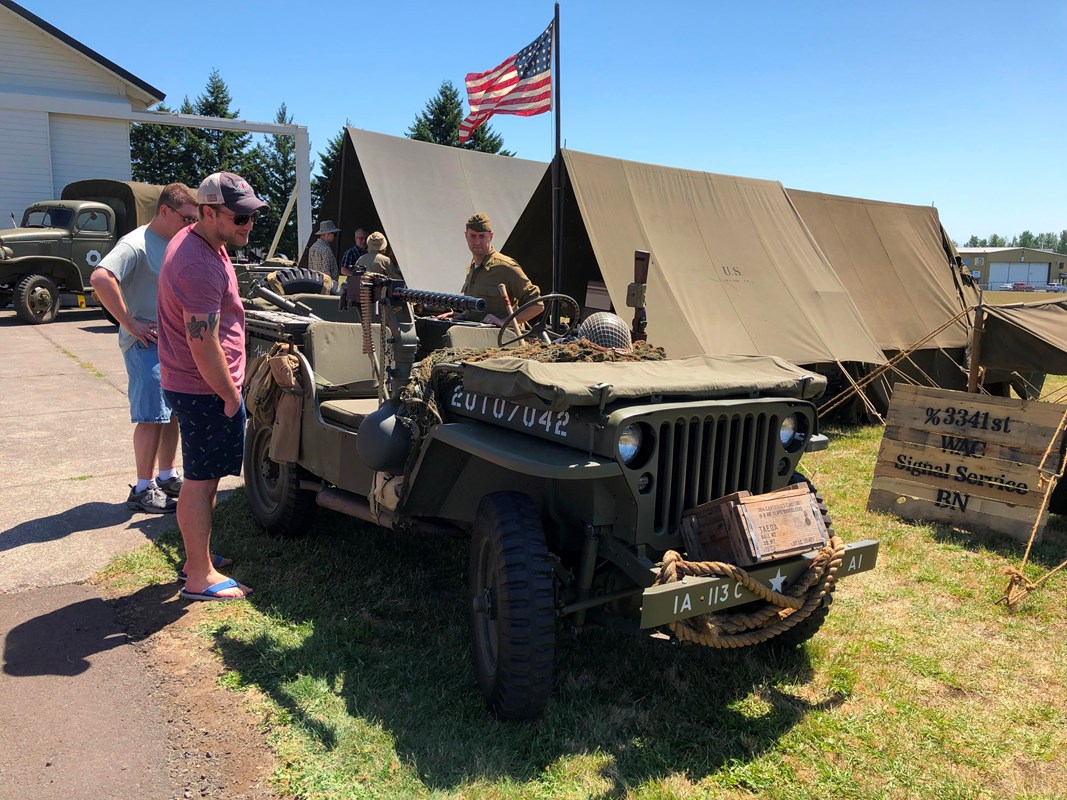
(202, 365)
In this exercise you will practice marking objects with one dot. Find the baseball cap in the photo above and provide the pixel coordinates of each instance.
(232, 191)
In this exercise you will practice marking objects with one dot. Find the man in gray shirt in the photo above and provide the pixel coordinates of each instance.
(125, 281)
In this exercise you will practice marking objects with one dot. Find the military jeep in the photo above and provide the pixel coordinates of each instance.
(575, 481)
(60, 242)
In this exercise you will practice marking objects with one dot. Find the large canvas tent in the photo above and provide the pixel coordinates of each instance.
(1026, 336)
(902, 272)
(890, 250)
(419, 195)
(734, 271)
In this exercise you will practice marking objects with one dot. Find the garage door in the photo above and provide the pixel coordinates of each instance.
(1035, 273)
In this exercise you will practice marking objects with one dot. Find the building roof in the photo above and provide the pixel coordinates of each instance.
(154, 94)
(968, 250)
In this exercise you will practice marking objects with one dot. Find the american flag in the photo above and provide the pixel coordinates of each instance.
(521, 85)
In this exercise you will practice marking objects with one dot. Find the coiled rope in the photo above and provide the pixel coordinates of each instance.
(780, 612)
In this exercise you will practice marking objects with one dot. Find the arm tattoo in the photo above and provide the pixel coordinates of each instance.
(196, 327)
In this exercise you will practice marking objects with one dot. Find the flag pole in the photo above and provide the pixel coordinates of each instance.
(557, 166)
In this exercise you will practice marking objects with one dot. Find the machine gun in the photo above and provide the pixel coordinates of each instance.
(395, 302)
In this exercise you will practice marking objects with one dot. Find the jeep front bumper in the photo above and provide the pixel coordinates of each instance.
(690, 596)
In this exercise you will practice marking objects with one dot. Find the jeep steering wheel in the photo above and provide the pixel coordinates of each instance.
(553, 301)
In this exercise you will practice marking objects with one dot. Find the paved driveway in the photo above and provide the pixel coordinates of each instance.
(78, 717)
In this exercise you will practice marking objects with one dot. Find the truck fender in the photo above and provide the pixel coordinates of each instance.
(65, 275)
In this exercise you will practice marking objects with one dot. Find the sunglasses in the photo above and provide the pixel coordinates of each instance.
(241, 219)
(185, 219)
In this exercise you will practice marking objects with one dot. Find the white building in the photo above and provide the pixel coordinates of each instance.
(55, 97)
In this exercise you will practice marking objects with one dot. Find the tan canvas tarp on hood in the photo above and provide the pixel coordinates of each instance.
(892, 259)
(734, 271)
(557, 386)
(1026, 336)
(420, 195)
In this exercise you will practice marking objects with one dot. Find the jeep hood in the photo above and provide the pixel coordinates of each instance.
(557, 386)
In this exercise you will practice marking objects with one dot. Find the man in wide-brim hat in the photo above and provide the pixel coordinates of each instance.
(320, 255)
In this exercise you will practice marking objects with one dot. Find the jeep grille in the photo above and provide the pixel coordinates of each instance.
(703, 458)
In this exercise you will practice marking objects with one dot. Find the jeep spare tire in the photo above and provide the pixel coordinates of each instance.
(36, 299)
(300, 281)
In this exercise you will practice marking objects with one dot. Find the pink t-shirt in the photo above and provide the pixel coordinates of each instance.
(199, 280)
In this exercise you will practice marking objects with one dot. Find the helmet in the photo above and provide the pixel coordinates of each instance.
(605, 329)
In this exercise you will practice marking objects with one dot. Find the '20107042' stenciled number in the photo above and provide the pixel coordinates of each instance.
(553, 422)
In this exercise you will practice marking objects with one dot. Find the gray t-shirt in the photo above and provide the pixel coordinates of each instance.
(135, 261)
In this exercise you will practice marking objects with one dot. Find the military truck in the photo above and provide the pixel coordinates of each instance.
(583, 485)
(59, 242)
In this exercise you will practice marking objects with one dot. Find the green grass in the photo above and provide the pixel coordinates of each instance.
(918, 686)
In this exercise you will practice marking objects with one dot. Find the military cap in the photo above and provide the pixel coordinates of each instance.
(480, 222)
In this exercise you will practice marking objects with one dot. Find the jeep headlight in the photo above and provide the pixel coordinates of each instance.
(630, 441)
(787, 434)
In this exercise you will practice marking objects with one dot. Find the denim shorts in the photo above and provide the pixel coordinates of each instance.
(147, 403)
(212, 443)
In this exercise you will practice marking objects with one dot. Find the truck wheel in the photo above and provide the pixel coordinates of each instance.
(107, 316)
(36, 299)
(512, 607)
(802, 631)
(278, 504)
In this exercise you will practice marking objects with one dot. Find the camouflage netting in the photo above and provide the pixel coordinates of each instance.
(436, 375)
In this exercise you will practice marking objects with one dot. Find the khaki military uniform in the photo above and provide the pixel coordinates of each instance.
(482, 282)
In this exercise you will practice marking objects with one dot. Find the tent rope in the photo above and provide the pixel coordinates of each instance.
(781, 610)
(882, 369)
(1018, 585)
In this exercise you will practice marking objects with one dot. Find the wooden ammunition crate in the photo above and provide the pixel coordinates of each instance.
(747, 529)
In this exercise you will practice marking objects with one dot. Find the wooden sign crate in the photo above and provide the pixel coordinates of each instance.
(973, 461)
(747, 529)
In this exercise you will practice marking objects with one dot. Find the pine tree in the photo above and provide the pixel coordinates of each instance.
(440, 120)
(165, 153)
(329, 160)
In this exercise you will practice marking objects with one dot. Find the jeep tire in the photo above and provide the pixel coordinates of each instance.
(512, 607)
(300, 281)
(278, 504)
(36, 299)
(806, 628)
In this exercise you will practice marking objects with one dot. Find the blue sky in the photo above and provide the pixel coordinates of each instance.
(960, 104)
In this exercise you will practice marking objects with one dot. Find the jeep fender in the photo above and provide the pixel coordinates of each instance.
(66, 275)
(472, 456)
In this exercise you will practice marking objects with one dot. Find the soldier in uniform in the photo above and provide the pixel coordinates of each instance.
(487, 270)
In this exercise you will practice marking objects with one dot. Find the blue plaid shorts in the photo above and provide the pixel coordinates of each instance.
(212, 443)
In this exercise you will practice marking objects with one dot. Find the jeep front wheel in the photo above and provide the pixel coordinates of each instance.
(278, 504)
(512, 607)
(806, 628)
(36, 299)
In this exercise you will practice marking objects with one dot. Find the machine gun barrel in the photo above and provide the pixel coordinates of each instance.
(443, 300)
(300, 309)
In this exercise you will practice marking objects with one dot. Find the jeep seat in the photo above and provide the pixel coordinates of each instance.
(340, 367)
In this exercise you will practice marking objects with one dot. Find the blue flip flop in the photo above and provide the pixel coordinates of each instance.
(212, 592)
(217, 561)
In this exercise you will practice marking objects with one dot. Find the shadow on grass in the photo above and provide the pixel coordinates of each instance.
(1045, 554)
(380, 625)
